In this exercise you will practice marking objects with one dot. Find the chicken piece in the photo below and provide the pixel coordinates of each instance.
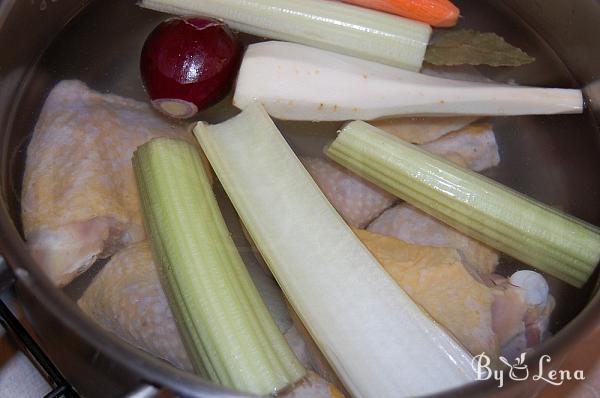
(79, 199)
(507, 318)
(358, 201)
(421, 130)
(411, 225)
(126, 298)
(436, 279)
(521, 312)
(473, 147)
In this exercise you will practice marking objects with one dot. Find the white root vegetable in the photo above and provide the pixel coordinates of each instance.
(376, 338)
(296, 82)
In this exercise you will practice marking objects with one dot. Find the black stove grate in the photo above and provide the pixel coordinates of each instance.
(12, 325)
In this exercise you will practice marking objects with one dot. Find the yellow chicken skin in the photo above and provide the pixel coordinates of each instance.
(410, 224)
(436, 279)
(421, 130)
(79, 199)
(498, 319)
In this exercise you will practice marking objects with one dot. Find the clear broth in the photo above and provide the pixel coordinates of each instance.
(551, 158)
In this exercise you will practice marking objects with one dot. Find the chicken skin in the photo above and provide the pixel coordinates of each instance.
(79, 199)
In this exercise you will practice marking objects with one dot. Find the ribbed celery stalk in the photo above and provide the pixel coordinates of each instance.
(529, 231)
(227, 329)
(327, 24)
(379, 341)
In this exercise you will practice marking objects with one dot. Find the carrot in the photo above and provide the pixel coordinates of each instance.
(439, 13)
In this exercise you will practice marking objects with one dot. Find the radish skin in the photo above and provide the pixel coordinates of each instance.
(296, 82)
(377, 339)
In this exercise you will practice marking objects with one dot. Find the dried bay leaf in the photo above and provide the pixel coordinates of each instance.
(460, 47)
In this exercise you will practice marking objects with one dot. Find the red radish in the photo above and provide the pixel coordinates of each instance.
(188, 64)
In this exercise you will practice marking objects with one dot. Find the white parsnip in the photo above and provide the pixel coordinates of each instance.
(296, 82)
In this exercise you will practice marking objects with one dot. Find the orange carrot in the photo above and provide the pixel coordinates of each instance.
(439, 13)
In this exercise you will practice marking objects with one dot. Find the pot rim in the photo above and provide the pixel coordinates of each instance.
(33, 280)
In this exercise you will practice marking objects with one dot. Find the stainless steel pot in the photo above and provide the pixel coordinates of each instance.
(555, 159)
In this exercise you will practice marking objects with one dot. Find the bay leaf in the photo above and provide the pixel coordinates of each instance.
(470, 47)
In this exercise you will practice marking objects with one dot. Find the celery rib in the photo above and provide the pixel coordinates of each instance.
(226, 328)
(377, 339)
(330, 25)
(527, 230)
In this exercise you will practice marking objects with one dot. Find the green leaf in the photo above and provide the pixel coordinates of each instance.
(460, 47)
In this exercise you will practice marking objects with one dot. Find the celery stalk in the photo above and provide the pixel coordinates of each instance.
(377, 339)
(527, 230)
(227, 329)
(330, 25)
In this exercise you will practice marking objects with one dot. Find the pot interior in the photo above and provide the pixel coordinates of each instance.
(551, 158)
